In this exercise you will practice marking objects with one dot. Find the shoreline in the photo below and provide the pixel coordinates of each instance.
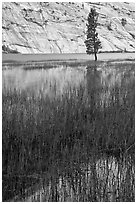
(76, 57)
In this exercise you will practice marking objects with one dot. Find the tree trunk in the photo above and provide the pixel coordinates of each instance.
(95, 56)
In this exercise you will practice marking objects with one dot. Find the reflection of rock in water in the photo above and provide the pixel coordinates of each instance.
(108, 176)
(106, 84)
(50, 82)
(99, 180)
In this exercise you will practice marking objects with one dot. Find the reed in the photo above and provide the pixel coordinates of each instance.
(40, 134)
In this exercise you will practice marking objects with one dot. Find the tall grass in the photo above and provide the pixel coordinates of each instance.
(40, 134)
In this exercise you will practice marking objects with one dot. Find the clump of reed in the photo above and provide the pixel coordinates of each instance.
(38, 132)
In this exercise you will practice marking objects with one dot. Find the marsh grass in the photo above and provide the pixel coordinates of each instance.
(41, 135)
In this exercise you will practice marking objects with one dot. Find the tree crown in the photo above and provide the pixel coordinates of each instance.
(92, 42)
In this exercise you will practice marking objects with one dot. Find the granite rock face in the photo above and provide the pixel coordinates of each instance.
(60, 27)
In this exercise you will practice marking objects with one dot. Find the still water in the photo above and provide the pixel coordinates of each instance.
(100, 80)
(87, 176)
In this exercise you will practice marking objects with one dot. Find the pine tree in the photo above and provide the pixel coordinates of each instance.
(92, 42)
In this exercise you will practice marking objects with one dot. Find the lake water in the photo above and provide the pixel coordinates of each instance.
(83, 115)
